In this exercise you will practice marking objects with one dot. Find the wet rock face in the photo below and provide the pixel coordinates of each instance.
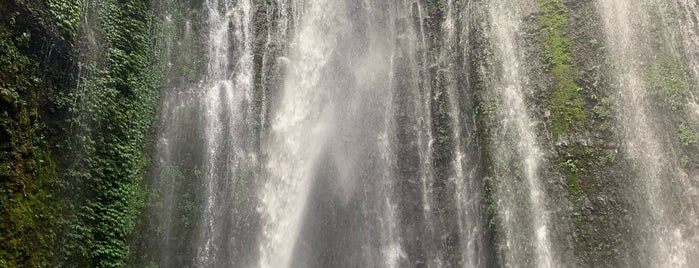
(586, 163)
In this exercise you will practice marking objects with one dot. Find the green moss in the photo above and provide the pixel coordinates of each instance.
(666, 79)
(566, 101)
(687, 135)
(28, 231)
(573, 179)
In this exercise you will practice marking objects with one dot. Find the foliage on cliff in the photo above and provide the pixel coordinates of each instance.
(27, 171)
(77, 102)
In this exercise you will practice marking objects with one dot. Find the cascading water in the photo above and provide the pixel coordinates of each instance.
(334, 135)
(216, 155)
(689, 12)
(466, 188)
(375, 133)
(665, 191)
(642, 144)
(228, 85)
(506, 16)
(299, 133)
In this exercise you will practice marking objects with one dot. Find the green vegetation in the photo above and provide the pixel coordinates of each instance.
(487, 108)
(689, 141)
(186, 61)
(607, 158)
(684, 160)
(666, 79)
(110, 112)
(577, 161)
(491, 205)
(687, 135)
(27, 169)
(566, 101)
(573, 178)
(67, 14)
(603, 109)
(485, 112)
(93, 102)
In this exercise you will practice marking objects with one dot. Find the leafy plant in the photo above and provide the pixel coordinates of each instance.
(67, 14)
(110, 113)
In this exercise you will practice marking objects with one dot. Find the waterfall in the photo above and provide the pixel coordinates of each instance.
(349, 133)
(506, 16)
(228, 94)
(642, 143)
(300, 130)
(207, 159)
(667, 240)
(376, 133)
(466, 187)
(343, 123)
